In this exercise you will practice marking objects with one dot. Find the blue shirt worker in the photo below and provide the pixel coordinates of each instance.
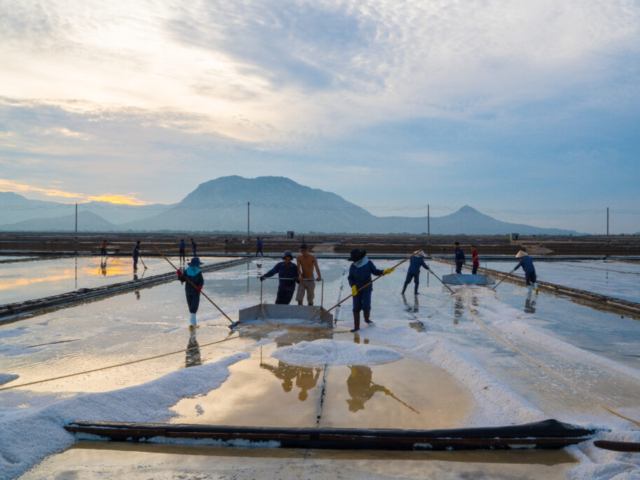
(526, 262)
(259, 248)
(136, 255)
(182, 246)
(460, 260)
(192, 288)
(360, 279)
(288, 274)
(413, 273)
(193, 245)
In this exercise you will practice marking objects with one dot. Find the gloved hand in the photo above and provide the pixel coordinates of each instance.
(388, 271)
(262, 279)
(179, 273)
(199, 288)
(354, 290)
(387, 391)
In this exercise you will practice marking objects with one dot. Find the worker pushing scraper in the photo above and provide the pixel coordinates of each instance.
(413, 273)
(287, 272)
(526, 262)
(193, 287)
(360, 281)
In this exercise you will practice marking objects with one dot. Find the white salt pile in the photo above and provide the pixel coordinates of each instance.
(331, 352)
(31, 434)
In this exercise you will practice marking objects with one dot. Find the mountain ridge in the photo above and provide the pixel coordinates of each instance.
(277, 204)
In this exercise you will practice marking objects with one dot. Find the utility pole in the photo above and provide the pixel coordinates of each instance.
(76, 237)
(248, 219)
(428, 224)
(607, 221)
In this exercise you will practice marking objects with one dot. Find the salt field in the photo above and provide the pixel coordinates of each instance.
(477, 358)
(613, 278)
(43, 278)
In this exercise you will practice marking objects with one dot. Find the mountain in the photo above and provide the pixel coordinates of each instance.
(277, 204)
(87, 222)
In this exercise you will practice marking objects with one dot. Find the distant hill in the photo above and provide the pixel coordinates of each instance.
(277, 204)
(87, 222)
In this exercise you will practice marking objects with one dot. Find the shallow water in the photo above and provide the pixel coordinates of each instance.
(263, 391)
(615, 279)
(31, 280)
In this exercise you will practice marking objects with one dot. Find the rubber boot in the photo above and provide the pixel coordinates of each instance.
(537, 289)
(192, 321)
(356, 321)
(529, 288)
(366, 317)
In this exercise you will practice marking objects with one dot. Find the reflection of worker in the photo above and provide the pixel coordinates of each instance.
(288, 274)
(458, 310)
(284, 372)
(193, 351)
(361, 388)
(103, 269)
(529, 304)
(193, 287)
(413, 273)
(306, 380)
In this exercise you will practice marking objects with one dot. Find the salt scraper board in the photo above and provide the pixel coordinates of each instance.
(467, 279)
(282, 312)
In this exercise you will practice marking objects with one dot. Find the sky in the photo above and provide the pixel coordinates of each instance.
(528, 111)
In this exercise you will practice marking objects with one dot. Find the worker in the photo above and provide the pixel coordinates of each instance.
(103, 251)
(360, 281)
(526, 262)
(193, 246)
(306, 283)
(460, 260)
(413, 273)
(136, 255)
(288, 274)
(192, 287)
(259, 248)
(182, 246)
(474, 259)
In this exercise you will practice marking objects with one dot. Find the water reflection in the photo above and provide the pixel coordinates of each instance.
(305, 378)
(530, 304)
(415, 308)
(193, 351)
(458, 310)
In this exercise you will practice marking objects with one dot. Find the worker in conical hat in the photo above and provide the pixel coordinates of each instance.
(194, 275)
(526, 262)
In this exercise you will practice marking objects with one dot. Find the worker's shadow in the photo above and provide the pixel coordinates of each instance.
(193, 358)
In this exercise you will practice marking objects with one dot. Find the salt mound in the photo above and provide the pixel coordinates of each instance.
(330, 352)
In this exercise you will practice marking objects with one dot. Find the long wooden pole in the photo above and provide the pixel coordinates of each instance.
(191, 283)
(365, 286)
(503, 279)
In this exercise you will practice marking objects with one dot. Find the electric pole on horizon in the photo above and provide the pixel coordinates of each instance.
(248, 220)
(428, 224)
(76, 235)
(607, 221)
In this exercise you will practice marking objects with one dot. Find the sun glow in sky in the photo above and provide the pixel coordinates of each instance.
(392, 104)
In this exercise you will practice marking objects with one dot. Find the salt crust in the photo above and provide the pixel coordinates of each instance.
(332, 352)
(31, 434)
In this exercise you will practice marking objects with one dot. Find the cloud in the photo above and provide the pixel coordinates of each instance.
(11, 186)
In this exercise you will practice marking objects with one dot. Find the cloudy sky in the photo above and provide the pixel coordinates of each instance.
(527, 110)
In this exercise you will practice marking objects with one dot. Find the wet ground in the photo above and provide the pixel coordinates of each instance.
(475, 358)
(43, 278)
(613, 278)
